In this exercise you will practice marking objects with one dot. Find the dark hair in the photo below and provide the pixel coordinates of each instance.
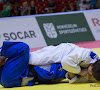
(96, 70)
(84, 2)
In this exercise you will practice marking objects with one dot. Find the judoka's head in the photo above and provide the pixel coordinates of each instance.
(92, 70)
(2, 60)
(96, 70)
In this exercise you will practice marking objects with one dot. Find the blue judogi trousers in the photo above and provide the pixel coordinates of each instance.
(16, 67)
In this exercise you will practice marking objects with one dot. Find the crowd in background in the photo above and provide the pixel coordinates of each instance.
(9, 8)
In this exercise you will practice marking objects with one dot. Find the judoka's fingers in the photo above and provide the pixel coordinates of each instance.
(83, 72)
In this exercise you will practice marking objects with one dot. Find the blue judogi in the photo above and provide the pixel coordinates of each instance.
(16, 67)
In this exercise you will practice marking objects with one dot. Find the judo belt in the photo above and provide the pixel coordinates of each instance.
(34, 74)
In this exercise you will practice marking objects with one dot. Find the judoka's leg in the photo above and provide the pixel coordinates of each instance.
(16, 65)
(12, 49)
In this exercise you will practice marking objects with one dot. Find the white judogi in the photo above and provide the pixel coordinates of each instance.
(69, 55)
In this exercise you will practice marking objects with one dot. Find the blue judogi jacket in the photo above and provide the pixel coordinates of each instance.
(16, 68)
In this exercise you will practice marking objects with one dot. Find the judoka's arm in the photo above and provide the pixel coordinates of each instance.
(85, 74)
(73, 78)
(70, 64)
(71, 75)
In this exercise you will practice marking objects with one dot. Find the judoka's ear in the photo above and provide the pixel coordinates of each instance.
(90, 69)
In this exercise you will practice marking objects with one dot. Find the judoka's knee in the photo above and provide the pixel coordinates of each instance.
(13, 49)
(23, 48)
(5, 81)
(26, 46)
(9, 81)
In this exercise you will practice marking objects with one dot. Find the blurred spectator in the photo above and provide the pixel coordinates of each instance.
(14, 1)
(8, 1)
(7, 5)
(88, 4)
(33, 8)
(93, 2)
(83, 6)
(17, 9)
(51, 5)
(1, 0)
(92, 7)
(88, 0)
(71, 6)
(84, 0)
(4, 12)
(5, 1)
(1, 6)
(66, 8)
(45, 11)
(25, 9)
(67, 5)
(78, 3)
(11, 11)
(50, 10)
(98, 4)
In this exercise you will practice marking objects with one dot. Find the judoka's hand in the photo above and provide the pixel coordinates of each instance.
(71, 75)
(85, 74)
(88, 76)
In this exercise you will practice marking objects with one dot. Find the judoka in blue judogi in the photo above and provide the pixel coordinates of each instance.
(17, 71)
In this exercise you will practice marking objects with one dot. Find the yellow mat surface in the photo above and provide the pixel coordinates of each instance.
(61, 86)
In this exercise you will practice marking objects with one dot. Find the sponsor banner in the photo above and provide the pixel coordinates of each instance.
(65, 28)
(93, 19)
(21, 29)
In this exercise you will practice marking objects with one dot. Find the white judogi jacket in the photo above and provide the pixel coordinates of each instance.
(69, 55)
